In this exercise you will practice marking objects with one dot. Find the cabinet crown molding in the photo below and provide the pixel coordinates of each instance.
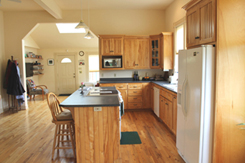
(190, 4)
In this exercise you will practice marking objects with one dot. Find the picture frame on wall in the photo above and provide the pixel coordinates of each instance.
(50, 62)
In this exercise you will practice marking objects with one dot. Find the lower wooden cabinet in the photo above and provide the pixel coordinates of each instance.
(174, 127)
(135, 95)
(168, 109)
(146, 95)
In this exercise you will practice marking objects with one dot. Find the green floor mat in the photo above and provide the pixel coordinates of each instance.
(130, 138)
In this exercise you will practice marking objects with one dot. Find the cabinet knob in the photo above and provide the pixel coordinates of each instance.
(111, 51)
(197, 37)
(174, 97)
(166, 103)
(135, 91)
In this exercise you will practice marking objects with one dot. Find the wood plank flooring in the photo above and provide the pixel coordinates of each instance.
(27, 136)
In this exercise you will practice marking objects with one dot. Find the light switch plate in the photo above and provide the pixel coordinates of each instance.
(97, 108)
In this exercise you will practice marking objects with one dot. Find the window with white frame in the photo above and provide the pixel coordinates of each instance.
(93, 68)
(179, 44)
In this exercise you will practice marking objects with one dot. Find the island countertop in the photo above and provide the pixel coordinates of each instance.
(78, 100)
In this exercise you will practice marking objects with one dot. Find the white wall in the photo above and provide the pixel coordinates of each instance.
(173, 13)
(1, 61)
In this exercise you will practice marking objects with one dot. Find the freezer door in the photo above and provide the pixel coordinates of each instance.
(180, 135)
(195, 71)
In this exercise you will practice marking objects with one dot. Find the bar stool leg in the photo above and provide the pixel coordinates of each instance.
(72, 141)
(54, 143)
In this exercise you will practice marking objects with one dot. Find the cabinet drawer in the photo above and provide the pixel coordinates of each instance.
(135, 92)
(134, 105)
(168, 95)
(134, 86)
(121, 86)
(162, 92)
(107, 85)
(134, 99)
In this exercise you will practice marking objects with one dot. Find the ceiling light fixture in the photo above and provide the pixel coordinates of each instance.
(81, 24)
(88, 35)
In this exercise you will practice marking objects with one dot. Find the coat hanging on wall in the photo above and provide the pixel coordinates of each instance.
(12, 81)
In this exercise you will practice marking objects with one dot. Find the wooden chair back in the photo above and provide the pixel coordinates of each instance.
(54, 105)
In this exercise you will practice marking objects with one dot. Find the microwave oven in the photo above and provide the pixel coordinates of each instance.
(111, 61)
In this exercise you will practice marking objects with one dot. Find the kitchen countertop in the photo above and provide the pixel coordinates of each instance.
(78, 100)
(164, 84)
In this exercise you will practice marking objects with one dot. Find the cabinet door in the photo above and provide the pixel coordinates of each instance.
(155, 58)
(105, 46)
(167, 59)
(124, 95)
(111, 45)
(142, 54)
(207, 21)
(152, 96)
(168, 113)
(129, 53)
(161, 109)
(193, 29)
(174, 117)
(146, 96)
(117, 46)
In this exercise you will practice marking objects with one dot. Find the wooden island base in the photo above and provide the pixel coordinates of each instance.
(97, 134)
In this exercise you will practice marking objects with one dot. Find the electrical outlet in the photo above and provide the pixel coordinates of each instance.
(115, 75)
(97, 108)
(102, 74)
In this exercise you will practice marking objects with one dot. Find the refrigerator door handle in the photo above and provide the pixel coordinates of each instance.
(184, 109)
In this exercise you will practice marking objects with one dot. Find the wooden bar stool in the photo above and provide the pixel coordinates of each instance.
(64, 129)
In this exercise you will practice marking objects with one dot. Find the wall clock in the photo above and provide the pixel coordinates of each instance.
(81, 53)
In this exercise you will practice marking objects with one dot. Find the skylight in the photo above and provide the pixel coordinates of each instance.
(69, 28)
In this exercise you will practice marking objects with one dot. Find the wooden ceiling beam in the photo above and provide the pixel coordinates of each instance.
(51, 7)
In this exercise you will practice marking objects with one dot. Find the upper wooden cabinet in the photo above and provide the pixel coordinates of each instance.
(161, 51)
(201, 22)
(111, 44)
(155, 57)
(136, 52)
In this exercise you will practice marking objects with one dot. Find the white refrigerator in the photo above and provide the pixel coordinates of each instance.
(195, 103)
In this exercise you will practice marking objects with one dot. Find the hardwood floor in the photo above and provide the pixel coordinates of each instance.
(27, 136)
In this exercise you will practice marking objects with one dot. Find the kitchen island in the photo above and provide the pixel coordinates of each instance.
(96, 121)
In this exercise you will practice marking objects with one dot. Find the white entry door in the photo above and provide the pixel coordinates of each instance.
(65, 74)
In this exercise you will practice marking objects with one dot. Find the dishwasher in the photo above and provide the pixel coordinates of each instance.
(156, 101)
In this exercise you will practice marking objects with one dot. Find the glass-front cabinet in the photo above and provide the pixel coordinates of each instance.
(155, 52)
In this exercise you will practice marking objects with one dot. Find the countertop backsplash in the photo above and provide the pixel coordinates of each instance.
(129, 73)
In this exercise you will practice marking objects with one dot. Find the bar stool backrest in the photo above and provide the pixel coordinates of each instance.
(54, 105)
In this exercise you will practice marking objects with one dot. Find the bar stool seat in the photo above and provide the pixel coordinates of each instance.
(64, 130)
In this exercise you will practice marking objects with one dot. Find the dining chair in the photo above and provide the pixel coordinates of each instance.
(34, 90)
(64, 129)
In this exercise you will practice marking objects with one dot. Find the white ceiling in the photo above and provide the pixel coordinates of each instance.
(47, 35)
(29, 5)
